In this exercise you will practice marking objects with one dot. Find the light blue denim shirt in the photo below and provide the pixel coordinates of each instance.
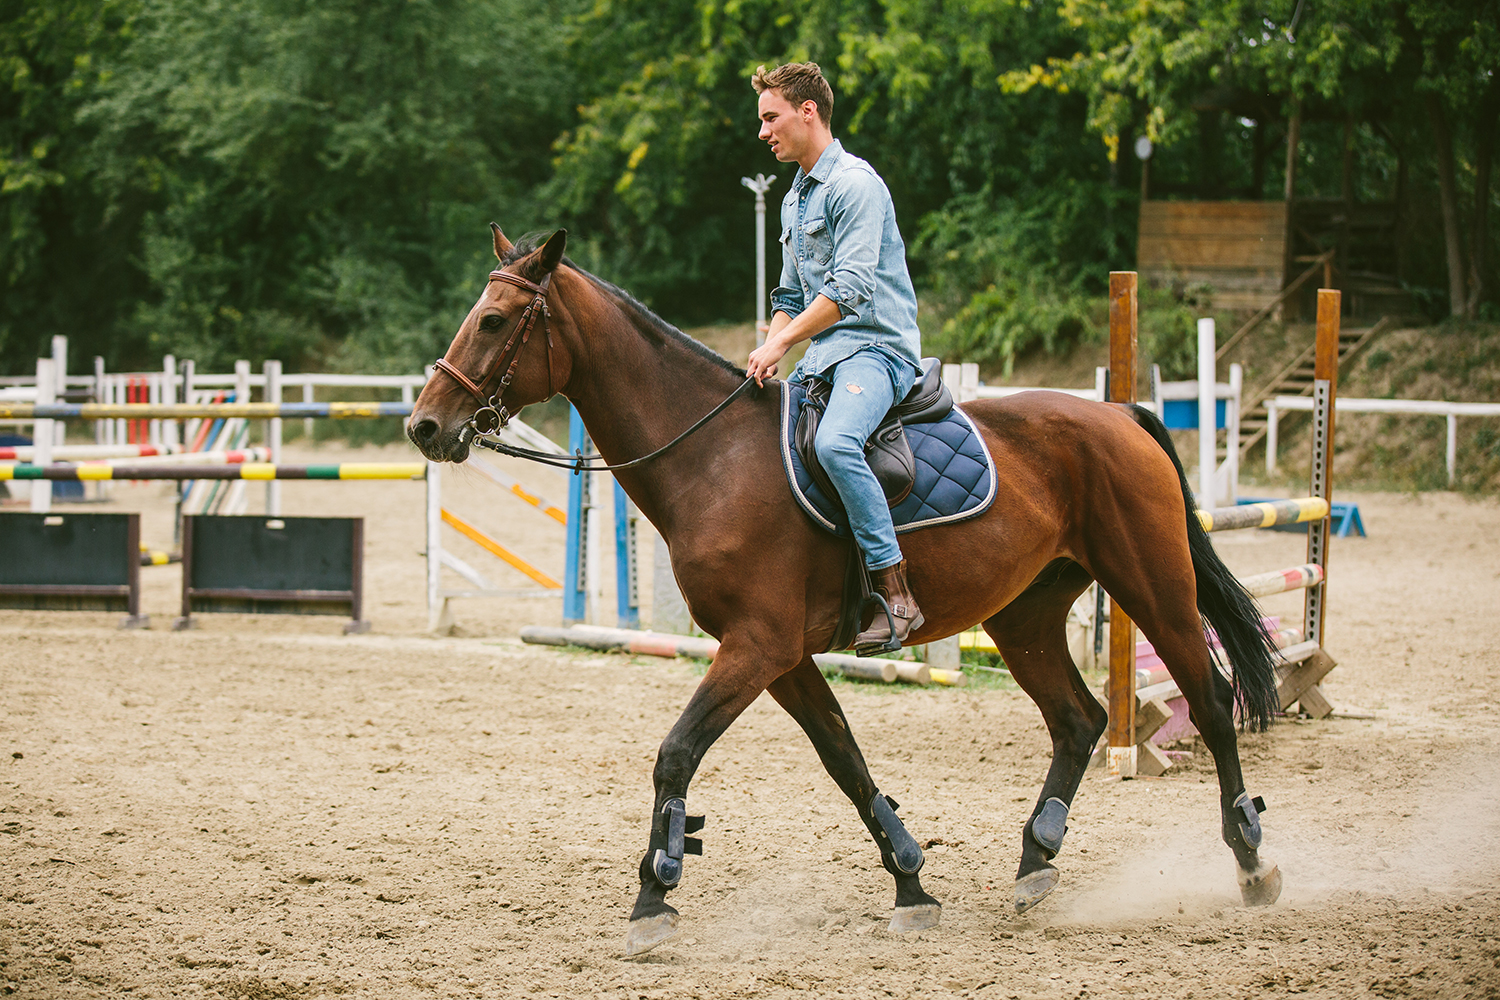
(839, 237)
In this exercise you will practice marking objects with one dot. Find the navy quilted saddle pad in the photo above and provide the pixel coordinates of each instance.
(955, 474)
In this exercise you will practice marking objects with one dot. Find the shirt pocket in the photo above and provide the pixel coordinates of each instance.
(819, 240)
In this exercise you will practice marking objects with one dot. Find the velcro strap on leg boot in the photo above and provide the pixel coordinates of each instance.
(669, 840)
(1049, 825)
(899, 846)
(1249, 818)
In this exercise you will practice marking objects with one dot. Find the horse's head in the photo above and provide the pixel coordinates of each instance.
(502, 359)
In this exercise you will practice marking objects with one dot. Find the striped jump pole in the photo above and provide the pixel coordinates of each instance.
(1266, 514)
(246, 470)
(1283, 580)
(187, 411)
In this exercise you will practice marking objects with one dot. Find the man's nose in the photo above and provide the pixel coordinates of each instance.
(765, 130)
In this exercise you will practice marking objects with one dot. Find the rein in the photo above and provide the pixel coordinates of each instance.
(579, 462)
(492, 415)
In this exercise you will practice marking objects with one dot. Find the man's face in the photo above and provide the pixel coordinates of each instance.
(785, 127)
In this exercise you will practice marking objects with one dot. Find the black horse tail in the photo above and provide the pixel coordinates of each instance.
(1224, 604)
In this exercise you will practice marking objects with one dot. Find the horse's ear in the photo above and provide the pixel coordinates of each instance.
(502, 245)
(552, 250)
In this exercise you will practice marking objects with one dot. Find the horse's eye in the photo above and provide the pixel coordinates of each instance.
(493, 321)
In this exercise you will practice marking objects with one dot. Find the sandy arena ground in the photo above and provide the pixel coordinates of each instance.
(265, 808)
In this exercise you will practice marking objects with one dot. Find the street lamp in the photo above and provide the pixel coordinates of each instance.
(760, 184)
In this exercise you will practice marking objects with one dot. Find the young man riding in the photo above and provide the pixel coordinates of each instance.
(845, 286)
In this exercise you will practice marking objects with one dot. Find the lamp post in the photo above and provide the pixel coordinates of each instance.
(760, 184)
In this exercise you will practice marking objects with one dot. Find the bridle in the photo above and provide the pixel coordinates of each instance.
(492, 414)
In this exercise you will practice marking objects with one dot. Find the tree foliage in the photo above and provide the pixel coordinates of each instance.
(311, 181)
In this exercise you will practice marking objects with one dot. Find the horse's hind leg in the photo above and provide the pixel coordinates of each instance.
(1031, 634)
(805, 695)
(1166, 611)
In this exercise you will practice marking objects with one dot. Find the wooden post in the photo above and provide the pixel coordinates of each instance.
(1122, 375)
(1325, 391)
(1288, 309)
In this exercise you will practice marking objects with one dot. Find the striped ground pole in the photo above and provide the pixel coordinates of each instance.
(183, 411)
(246, 470)
(1263, 515)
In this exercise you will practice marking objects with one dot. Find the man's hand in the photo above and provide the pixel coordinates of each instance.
(786, 332)
(762, 363)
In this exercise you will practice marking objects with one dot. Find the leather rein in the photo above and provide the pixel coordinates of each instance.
(492, 415)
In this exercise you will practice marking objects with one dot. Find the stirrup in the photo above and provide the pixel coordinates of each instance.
(891, 644)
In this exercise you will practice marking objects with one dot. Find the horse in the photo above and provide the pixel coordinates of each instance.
(1086, 491)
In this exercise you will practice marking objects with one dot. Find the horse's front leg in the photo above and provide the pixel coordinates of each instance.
(744, 666)
(805, 694)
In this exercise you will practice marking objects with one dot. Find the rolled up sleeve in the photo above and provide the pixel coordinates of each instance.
(856, 209)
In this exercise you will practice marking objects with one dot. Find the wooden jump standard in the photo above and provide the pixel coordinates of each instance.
(1304, 663)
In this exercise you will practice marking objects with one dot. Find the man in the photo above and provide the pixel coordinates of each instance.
(844, 286)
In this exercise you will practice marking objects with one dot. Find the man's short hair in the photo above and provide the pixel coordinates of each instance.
(798, 83)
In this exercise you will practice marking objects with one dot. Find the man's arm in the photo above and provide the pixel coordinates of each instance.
(786, 332)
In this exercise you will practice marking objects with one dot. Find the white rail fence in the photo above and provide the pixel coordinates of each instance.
(1398, 407)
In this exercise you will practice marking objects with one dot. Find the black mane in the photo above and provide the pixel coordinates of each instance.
(650, 322)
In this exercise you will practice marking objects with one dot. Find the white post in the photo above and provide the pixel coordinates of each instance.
(1271, 415)
(273, 436)
(307, 422)
(100, 426)
(600, 487)
(1452, 453)
(59, 384)
(169, 428)
(760, 184)
(968, 382)
(1101, 376)
(434, 546)
(154, 396)
(1208, 458)
(190, 427)
(1232, 431)
(42, 434)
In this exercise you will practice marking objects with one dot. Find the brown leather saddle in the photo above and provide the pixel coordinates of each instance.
(887, 451)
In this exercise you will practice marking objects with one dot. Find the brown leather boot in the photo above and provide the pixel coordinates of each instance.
(891, 584)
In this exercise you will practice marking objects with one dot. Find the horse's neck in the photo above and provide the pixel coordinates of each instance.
(636, 390)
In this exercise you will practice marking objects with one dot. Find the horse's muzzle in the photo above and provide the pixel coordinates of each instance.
(435, 443)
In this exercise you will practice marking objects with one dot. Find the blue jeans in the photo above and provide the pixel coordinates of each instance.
(865, 387)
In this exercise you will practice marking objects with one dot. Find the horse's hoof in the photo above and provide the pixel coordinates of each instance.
(648, 932)
(1032, 889)
(922, 917)
(1261, 887)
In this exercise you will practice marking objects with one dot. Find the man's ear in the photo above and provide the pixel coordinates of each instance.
(502, 245)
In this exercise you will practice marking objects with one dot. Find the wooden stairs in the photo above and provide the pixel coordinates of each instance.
(1296, 379)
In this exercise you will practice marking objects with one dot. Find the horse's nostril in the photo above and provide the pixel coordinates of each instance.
(424, 430)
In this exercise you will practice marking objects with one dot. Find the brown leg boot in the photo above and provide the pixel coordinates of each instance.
(891, 584)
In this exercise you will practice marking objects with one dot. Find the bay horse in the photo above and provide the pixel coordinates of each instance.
(1086, 491)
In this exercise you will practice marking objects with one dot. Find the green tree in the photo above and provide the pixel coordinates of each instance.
(57, 243)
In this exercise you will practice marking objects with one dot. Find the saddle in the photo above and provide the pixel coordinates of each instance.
(887, 451)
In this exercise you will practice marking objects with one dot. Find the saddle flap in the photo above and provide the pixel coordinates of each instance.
(887, 451)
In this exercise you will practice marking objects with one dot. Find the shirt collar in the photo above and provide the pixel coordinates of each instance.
(824, 166)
